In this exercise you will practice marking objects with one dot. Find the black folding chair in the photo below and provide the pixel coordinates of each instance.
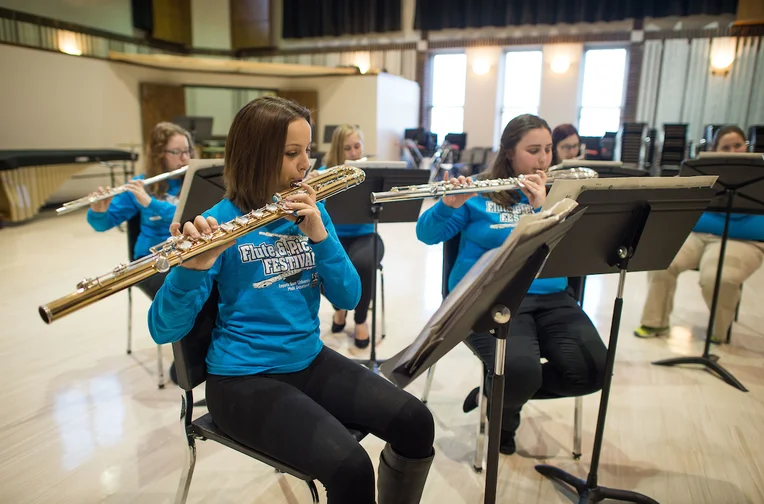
(190, 354)
(450, 251)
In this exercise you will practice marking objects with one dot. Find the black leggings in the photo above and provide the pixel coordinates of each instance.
(302, 419)
(555, 327)
(360, 250)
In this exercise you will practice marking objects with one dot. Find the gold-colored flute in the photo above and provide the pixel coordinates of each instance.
(451, 186)
(90, 199)
(177, 249)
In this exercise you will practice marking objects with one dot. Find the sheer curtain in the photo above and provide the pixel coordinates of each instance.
(756, 108)
(677, 85)
(716, 105)
(742, 82)
(672, 86)
(696, 91)
(648, 85)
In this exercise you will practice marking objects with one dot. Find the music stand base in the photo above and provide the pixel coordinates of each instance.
(711, 365)
(589, 495)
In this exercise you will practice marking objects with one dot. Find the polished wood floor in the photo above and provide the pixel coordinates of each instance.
(82, 422)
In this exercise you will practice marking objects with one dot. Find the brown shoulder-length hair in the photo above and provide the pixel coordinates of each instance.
(515, 130)
(336, 154)
(160, 135)
(254, 150)
(725, 130)
(559, 134)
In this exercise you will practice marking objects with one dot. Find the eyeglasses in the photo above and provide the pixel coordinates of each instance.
(179, 152)
(569, 147)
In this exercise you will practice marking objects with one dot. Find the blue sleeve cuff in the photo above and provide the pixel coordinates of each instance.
(442, 210)
(184, 279)
(98, 220)
(327, 248)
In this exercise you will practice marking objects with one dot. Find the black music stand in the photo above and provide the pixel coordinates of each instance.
(622, 230)
(740, 189)
(490, 311)
(355, 207)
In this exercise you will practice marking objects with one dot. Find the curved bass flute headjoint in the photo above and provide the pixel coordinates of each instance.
(176, 249)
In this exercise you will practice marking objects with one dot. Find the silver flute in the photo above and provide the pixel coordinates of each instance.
(92, 198)
(452, 186)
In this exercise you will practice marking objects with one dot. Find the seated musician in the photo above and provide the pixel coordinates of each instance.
(566, 143)
(743, 256)
(549, 322)
(272, 385)
(356, 239)
(170, 148)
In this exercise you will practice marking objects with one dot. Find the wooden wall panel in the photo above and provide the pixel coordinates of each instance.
(250, 23)
(172, 21)
(309, 99)
(160, 102)
(750, 10)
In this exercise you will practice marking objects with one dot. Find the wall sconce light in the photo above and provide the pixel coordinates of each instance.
(722, 57)
(363, 61)
(67, 43)
(481, 66)
(560, 64)
(721, 63)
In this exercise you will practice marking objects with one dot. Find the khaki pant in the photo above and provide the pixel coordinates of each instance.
(701, 251)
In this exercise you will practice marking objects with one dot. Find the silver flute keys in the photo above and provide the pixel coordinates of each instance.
(448, 187)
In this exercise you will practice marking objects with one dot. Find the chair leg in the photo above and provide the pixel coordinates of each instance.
(481, 427)
(129, 320)
(160, 368)
(428, 383)
(382, 286)
(577, 426)
(188, 472)
(313, 491)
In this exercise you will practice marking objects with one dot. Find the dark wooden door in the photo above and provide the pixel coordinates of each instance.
(160, 102)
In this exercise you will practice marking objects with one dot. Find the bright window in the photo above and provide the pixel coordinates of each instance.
(602, 97)
(522, 84)
(449, 81)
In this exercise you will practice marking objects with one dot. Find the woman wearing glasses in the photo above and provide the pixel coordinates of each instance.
(566, 144)
(170, 148)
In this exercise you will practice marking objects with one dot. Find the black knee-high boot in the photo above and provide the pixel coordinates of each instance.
(401, 480)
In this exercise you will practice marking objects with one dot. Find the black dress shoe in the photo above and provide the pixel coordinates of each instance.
(338, 327)
(471, 401)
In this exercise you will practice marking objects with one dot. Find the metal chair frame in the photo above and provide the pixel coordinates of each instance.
(133, 229)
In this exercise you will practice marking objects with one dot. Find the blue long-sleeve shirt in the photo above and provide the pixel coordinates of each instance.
(155, 218)
(742, 227)
(270, 288)
(484, 225)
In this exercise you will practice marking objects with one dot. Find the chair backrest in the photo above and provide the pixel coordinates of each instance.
(577, 285)
(133, 230)
(450, 251)
(191, 351)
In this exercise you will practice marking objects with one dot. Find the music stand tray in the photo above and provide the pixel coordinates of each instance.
(355, 207)
(740, 189)
(626, 228)
(484, 300)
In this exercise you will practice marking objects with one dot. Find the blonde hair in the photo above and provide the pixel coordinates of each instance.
(155, 151)
(336, 155)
